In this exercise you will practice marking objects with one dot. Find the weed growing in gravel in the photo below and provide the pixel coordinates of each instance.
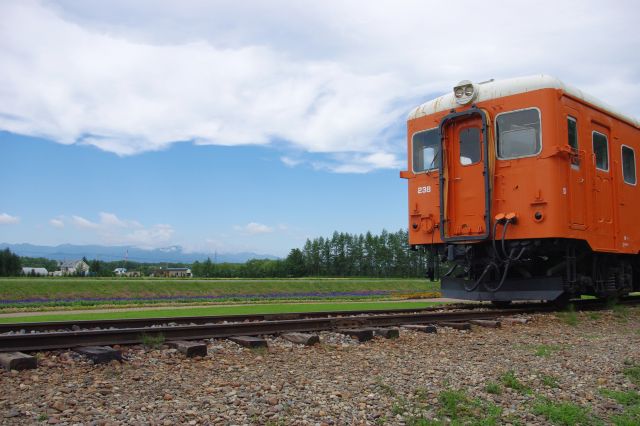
(565, 413)
(460, 409)
(633, 374)
(621, 313)
(549, 380)
(511, 381)
(42, 417)
(422, 394)
(546, 350)
(152, 341)
(260, 351)
(569, 316)
(630, 417)
(622, 397)
(595, 316)
(455, 408)
(385, 388)
(494, 388)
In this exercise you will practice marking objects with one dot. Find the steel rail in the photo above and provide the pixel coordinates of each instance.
(70, 339)
(42, 326)
(189, 320)
(34, 341)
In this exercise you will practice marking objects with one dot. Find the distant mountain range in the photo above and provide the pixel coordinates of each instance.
(113, 253)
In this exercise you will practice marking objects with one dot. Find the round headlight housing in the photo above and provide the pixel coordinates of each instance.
(465, 92)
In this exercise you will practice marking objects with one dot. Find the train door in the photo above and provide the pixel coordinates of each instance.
(602, 187)
(464, 178)
(577, 188)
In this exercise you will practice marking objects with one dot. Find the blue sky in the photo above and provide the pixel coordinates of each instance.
(206, 198)
(251, 126)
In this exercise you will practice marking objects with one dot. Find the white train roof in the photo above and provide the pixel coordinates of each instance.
(494, 89)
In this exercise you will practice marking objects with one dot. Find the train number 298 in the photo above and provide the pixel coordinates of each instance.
(424, 189)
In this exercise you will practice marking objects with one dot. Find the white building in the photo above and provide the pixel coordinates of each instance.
(29, 270)
(72, 267)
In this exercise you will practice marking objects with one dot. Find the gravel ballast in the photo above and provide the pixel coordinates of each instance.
(532, 373)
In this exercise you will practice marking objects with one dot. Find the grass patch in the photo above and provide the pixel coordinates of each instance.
(622, 397)
(569, 316)
(621, 313)
(546, 350)
(549, 380)
(460, 409)
(509, 380)
(493, 388)
(595, 316)
(455, 407)
(272, 308)
(107, 290)
(630, 417)
(151, 341)
(565, 413)
(633, 374)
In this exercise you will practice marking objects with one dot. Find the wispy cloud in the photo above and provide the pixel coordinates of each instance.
(7, 219)
(111, 229)
(254, 228)
(57, 222)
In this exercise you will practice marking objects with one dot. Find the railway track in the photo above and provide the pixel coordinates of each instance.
(62, 335)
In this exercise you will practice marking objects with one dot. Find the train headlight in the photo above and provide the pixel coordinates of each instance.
(465, 92)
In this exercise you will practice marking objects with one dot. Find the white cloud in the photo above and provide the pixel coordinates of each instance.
(7, 219)
(57, 222)
(289, 161)
(254, 228)
(81, 222)
(115, 231)
(331, 77)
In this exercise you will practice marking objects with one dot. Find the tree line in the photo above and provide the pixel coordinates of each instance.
(340, 255)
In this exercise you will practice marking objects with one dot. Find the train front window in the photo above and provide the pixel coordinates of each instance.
(518, 134)
(469, 145)
(426, 151)
(601, 151)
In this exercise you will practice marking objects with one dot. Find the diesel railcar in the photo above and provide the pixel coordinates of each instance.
(527, 189)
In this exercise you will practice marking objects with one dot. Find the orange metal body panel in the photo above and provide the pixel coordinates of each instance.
(576, 202)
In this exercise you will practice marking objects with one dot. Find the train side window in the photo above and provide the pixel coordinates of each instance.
(518, 133)
(469, 145)
(601, 150)
(426, 151)
(572, 127)
(628, 165)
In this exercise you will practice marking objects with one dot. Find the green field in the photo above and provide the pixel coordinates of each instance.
(81, 292)
(223, 310)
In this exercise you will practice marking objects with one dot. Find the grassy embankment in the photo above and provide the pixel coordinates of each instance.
(223, 310)
(71, 293)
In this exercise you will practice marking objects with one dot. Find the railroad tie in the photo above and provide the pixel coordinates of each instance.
(456, 325)
(515, 321)
(362, 334)
(190, 349)
(387, 333)
(249, 341)
(486, 323)
(99, 354)
(301, 338)
(17, 361)
(422, 328)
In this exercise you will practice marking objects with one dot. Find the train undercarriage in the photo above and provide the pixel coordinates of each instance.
(541, 269)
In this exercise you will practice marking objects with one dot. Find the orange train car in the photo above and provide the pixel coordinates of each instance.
(528, 188)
